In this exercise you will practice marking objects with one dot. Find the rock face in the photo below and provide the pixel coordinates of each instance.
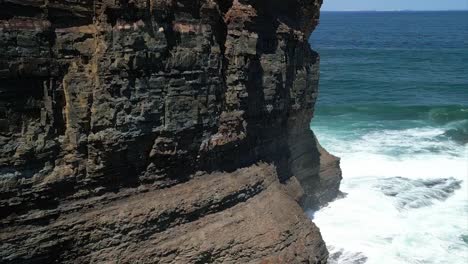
(160, 131)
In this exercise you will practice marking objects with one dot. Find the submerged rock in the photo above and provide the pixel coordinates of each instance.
(160, 132)
(409, 193)
(341, 256)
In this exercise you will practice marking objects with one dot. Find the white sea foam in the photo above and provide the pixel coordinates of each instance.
(370, 223)
(426, 140)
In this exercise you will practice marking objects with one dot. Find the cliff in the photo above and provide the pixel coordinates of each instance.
(160, 131)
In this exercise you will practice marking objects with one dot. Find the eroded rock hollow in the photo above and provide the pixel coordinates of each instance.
(160, 131)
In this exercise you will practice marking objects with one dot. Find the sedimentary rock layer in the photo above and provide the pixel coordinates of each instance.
(159, 131)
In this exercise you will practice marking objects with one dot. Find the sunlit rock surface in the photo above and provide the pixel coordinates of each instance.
(158, 131)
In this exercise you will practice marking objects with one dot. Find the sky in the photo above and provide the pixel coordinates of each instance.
(387, 5)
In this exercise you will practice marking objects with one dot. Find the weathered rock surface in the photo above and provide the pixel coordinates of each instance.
(159, 131)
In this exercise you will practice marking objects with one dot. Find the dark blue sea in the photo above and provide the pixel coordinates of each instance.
(393, 105)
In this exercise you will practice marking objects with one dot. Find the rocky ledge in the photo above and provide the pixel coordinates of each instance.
(160, 131)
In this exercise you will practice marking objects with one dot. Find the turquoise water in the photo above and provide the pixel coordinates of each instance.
(393, 105)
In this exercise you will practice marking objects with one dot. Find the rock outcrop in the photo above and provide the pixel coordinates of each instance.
(160, 131)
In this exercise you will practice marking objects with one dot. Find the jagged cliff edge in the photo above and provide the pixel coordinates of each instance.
(160, 131)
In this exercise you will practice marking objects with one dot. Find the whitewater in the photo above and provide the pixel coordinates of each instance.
(370, 226)
(393, 105)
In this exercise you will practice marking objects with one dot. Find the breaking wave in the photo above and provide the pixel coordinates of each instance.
(407, 193)
(395, 109)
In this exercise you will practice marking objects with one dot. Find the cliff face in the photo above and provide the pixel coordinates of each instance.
(160, 131)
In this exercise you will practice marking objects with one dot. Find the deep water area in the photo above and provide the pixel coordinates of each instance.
(393, 105)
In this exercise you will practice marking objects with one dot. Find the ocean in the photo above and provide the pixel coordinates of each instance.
(393, 105)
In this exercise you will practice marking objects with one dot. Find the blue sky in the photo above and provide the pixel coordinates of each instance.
(349, 5)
